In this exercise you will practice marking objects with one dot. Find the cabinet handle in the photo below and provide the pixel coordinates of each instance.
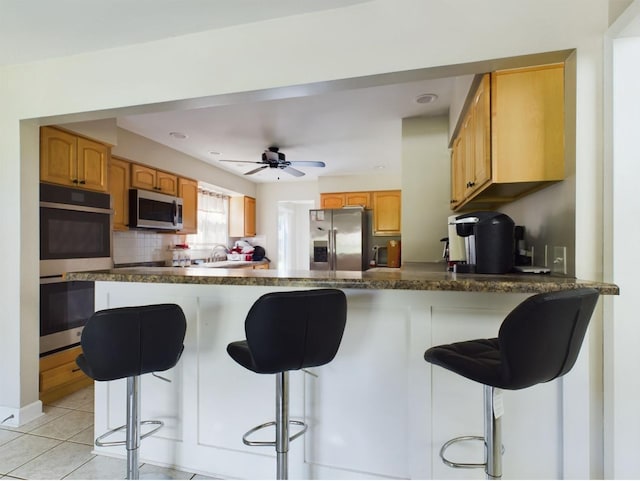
(82, 182)
(75, 181)
(75, 370)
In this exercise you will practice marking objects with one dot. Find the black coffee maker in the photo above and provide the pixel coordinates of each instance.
(489, 241)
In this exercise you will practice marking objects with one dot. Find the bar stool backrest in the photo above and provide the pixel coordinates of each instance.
(131, 341)
(541, 338)
(294, 330)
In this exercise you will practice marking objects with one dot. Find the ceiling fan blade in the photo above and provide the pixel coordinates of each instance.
(308, 163)
(256, 170)
(292, 171)
(241, 161)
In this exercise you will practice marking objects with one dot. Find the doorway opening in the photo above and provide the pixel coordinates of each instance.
(293, 234)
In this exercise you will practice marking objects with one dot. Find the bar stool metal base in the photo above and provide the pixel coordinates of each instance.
(281, 424)
(492, 440)
(133, 429)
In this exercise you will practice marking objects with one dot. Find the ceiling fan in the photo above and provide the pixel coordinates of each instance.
(274, 159)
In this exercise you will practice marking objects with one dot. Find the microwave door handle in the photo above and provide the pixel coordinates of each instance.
(174, 212)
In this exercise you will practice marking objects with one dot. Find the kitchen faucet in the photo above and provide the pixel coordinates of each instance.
(216, 255)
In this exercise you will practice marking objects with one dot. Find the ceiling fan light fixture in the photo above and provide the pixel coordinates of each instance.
(426, 98)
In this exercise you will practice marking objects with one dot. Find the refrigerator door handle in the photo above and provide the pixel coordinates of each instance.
(334, 250)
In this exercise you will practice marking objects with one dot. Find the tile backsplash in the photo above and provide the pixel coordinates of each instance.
(136, 246)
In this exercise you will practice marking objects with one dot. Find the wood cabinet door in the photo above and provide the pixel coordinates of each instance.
(143, 177)
(93, 158)
(527, 109)
(332, 201)
(249, 216)
(166, 183)
(358, 198)
(119, 172)
(188, 191)
(482, 134)
(457, 172)
(387, 210)
(58, 157)
(468, 137)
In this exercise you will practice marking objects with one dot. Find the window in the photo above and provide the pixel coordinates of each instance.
(213, 216)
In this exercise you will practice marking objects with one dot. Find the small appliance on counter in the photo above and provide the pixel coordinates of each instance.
(489, 242)
(379, 256)
(393, 253)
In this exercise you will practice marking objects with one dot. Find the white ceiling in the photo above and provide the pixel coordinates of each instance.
(353, 131)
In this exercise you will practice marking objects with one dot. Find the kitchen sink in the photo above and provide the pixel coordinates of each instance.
(225, 264)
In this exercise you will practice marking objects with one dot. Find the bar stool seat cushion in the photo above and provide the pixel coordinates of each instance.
(131, 341)
(291, 330)
(538, 341)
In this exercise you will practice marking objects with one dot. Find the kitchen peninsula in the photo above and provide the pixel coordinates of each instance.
(377, 411)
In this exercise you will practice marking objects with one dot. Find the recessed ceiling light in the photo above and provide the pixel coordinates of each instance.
(178, 135)
(213, 152)
(380, 167)
(426, 98)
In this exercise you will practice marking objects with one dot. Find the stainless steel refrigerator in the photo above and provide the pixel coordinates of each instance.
(338, 239)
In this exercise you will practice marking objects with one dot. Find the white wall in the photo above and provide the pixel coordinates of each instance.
(140, 149)
(622, 357)
(356, 183)
(426, 187)
(366, 39)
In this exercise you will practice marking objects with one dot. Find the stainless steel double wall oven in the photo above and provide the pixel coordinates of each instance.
(75, 235)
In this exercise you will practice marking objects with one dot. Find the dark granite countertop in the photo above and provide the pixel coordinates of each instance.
(414, 276)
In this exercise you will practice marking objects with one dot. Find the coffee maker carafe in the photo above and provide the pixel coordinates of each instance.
(489, 238)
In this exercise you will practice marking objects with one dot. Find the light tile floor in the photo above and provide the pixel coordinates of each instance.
(58, 445)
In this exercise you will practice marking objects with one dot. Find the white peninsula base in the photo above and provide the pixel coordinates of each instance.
(377, 411)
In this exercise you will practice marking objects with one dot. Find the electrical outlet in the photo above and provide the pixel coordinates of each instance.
(559, 260)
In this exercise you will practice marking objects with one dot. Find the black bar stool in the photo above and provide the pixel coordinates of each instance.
(127, 342)
(538, 341)
(289, 331)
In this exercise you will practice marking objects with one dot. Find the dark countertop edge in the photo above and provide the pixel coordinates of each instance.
(461, 283)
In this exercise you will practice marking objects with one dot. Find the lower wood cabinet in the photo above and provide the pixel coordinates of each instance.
(60, 375)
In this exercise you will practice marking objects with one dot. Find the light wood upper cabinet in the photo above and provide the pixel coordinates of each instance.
(148, 178)
(387, 211)
(242, 217)
(119, 182)
(188, 191)
(527, 113)
(511, 139)
(71, 160)
(332, 201)
(358, 198)
(337, 200)
(458, 172)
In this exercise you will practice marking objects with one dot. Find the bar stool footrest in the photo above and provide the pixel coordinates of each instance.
(460, 439)
(101, 443)
(266, 425)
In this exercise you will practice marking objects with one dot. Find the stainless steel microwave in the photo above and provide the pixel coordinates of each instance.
(153, 210)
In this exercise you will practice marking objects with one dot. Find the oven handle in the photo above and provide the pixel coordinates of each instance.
(79, 208)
